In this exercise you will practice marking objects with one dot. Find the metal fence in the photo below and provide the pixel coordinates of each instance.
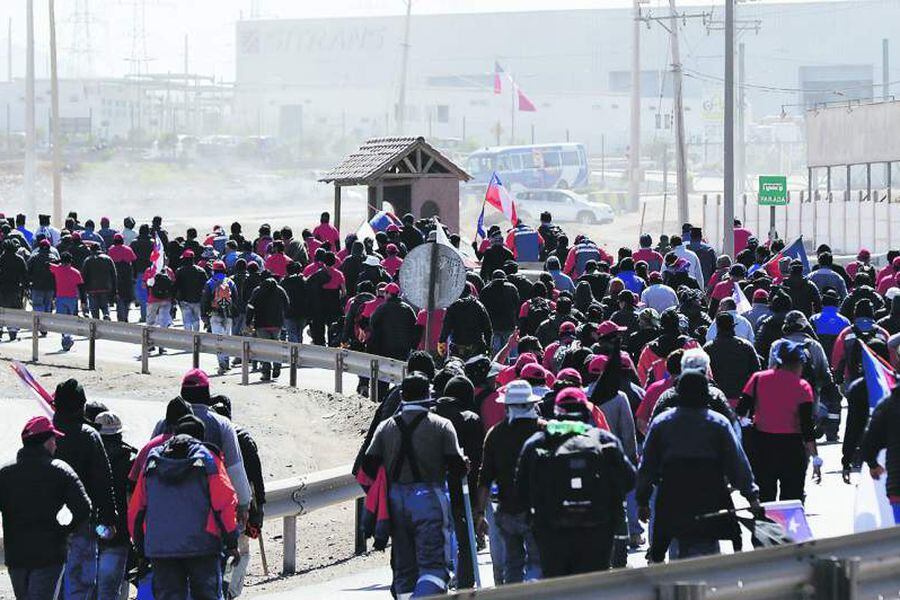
(845, 221)
(296, 356)
(851, 567)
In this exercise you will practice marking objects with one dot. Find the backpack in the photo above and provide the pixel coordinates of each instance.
(162, 286)
(223, 299)
(538, 312)
(570, 486)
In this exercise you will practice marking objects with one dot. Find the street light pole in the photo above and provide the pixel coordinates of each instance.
(728, 216)
(401, 105)
(678, 109)
(30, 202)
(54, 126)
(634, 181)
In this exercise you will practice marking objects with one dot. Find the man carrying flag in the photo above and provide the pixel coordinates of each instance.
(884, 434)
(794, 251)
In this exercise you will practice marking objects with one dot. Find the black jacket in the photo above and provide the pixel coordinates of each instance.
(469, 432)
(121, 457)
(351, 267)
(142, 247)
(253, 467)
(32, 492)
(393, 327)
(467, 322)
(13, 272)
(884, 433)
(39, 273)
(83, 450)
(296, 289)
(501, 300)
(493, 259)
(804, 294)
(857, 421)
(862, 292)
(189, 283)
(99, 273)
(268, 305)
(732, 361)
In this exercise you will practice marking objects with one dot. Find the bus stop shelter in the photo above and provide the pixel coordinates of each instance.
(407, 172)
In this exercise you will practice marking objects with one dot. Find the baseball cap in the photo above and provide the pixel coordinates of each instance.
(567, 328)
(598, 364)
(569, 375)
(392, 228)
(108, 423)
(571, 399)
(393, 289)
(760, 296)
(195, 378)
(118, 237)
(39, 426)
(790, 351)
(218, 266)
(519, 392)
(864, 254)
(535, 372)
(608, 328)
(187, 253)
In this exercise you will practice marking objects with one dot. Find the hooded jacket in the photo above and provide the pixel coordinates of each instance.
(732, 360)
(183, 505)
(189, 283)
(268, 305)
(501, 300)
(467, 322)
(39, 272)
(393, 329)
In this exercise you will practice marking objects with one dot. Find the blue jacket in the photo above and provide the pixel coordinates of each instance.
(829, 322)
(527, 246)
(562, 281)
(632, 282)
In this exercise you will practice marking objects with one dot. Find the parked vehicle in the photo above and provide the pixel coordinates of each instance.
(564, 205)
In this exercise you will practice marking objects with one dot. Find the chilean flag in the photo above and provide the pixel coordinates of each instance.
(383, 219)
(790, 515)
(499, 197)
(525, 104)
(740, 299)
(45, 400)
(794, 251)
(157, 259)
(498, 81)
(880, 378)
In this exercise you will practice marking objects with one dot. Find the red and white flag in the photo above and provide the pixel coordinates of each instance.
(525, 104)
(157, 259)
(499, 197)
(498, 81)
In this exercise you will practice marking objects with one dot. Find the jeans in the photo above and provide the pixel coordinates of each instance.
(99, 302)
(235, 573)
(67, 306)
(122, 307)
(523, 561)
(498, 340)
(896, 508)
(158, 314)
(173, 578)
(190, 315)
(42, 300)
(80, 580)
(689, 548)
(574, 551)
(44, 583)
(238, 322)
(634, 524)
(269, 369)
(140, 295)
(495, 542)
(779, 459)
(294, 329)
(420, 527)
(111, 572)
(220, 325)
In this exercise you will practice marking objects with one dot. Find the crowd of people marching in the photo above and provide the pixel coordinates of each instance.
(552, 415)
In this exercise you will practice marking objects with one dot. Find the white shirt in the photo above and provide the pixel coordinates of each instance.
(694, 270)
(742, 328)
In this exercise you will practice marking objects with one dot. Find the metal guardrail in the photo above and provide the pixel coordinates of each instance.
(295, 356)
(850, 567)
(288, 499)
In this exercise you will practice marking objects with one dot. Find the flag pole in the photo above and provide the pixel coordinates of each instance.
(512, 114)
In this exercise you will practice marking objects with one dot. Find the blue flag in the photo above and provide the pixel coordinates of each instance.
(879, 377)
(479, 230)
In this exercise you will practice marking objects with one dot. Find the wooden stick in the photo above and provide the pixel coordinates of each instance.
(262, 554)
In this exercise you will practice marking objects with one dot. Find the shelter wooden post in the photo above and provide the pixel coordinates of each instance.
(337, 207)
(379, 197)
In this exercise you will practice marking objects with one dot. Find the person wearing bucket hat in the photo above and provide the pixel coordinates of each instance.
(33, 489)
(783, 435)
(502, 447)
(647, 330)
(574, 478)
(113, 553)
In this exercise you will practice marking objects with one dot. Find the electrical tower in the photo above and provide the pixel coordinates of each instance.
(80, 50)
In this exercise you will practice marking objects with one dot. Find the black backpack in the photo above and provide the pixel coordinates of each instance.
(162, 286)
(571, 486)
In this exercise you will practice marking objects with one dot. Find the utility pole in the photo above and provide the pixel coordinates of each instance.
(634, 181)
(885, 68)
(9, 51)
(728, 213)
(680, 149)
(186, 72)
(401, 105)
(740, 150)
(30, 158)
(54, 125)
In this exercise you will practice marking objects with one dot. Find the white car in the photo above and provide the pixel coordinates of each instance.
(565, 206)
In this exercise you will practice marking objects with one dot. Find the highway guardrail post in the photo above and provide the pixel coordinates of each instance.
(289, 536)
(145, 351)
(295, 359)
(360, 542)
(35, 337)
(373, 381)
(92, 345)
(245, 363)
(836, 578)
(682, 591)
(196, 349)
(339, 373)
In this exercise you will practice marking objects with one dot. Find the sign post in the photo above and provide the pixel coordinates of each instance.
(772, 193)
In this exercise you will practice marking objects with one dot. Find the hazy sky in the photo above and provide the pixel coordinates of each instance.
(115, 38)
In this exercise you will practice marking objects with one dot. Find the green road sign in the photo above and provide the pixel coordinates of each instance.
(773, 190)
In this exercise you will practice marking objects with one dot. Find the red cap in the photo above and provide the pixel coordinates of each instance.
(655, 277)
(195, 378)
(45, 243)
(218, 266)
(76, 236)
(524, 359)
(391, 228)
(535, 372)
(760, 296)
(569, 375)
(187, 253)
(393, 289)
(598, 364)
(568, 327)
(38, 426)
(392, 249)
(570, 396)
(118, 238)
(864, 254)
(608, 328)
(896, 263)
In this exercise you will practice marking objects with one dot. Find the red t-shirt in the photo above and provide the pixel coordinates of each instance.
(437, 323)
(67, 280)
(277, 264)
(778, 393)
